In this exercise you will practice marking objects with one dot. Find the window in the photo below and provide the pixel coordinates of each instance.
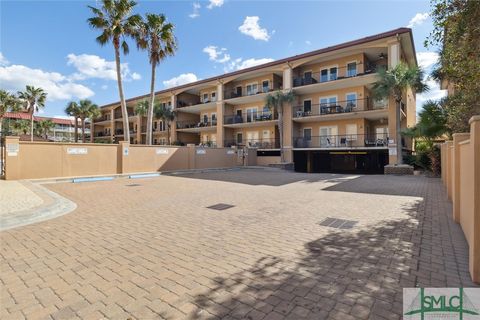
(214, 119)
(205, 118)
(307, 106)
(163, 141)
(307, 134)
(155, 126)
(328, 105)
(239, 137)
(251, 114)
(328, 74)
(324, 75)
(154, 141)
(265, 86)
(161, 125)
(214, 96)
(205, 97)
(351, 101)
(381, 132)
(252, 89)
(352, 69)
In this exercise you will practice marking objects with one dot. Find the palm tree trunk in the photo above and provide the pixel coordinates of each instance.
(168, 133)
(280, 133)
(123, 104)
(83, 130)
(76, 129)
(150, 106)
(31, 125)
(399, 134)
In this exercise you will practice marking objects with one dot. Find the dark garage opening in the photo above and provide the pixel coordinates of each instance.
(341, 161)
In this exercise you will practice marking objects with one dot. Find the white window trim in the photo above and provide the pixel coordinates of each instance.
(328, 72)
(251, 84)
(211, 96)
(311, 132)
(326, 97)
(268, 80)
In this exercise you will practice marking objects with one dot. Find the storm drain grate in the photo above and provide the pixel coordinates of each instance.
(338, 223)
(133, 185)
(221, 206)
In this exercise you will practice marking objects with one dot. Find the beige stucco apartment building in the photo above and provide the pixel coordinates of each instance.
(335, 125)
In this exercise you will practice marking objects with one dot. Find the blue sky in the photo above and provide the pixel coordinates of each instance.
(49, 44)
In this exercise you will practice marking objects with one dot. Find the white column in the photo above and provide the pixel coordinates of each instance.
(287, 78)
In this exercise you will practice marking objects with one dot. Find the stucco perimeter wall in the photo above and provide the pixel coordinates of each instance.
(38, 160)
(33, 160)
(461, 176)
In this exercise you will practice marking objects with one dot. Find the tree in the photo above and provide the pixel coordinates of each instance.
(22, 126)
(156, 36)
(275, 101)
(33, 100)
(457, 32)
(44, 127)
(395, 82)
(116, 22)
(141, 109)
(72, 110)
(87, 110)
(8, 102)
(167, 115)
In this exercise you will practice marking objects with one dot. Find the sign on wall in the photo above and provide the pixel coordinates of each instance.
(77, 151)
(125, 151)
(230, 151)
(201, 151)
(161, 151)
(13, 149)
(392, 151)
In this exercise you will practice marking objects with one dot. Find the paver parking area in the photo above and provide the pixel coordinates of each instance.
(151, 249)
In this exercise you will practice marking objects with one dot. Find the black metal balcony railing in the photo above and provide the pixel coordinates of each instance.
(118, 131)
(341, 141)
(102, 134)
(191, 124)
(103, 118)
(262, 143)
(333, 74)
(239, 91)
(335, 107)
(250, 116)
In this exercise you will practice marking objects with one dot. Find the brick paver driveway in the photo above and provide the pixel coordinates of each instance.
(150, 249)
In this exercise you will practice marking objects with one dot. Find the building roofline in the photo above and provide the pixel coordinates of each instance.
(282, 61)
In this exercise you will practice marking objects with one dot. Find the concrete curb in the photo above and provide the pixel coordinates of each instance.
(53, 206)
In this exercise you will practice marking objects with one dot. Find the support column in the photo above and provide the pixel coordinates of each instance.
(449, 168)
(139, 129)
(92, 126)
(112, 125)
(173, 125)
(123, 157)
(287, 118)
(457, 138)
(394, 55)
(220, 116)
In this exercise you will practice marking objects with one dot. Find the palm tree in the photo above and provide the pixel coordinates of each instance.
(156, 36)
(395, 82)
(94, 114)
(116, 22)
(72, 110)
(33, 100)
(141, 109)
(167, 115)
(87, 110)
(8, 102)
(22, 126)
(44, 127)
(275, 102)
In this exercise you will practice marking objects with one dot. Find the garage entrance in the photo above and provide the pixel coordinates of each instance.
(341, 161)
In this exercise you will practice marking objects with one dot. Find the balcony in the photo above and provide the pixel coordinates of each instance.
(102, 135)
(307, 112)
(206, 124)
(250, 117)
(249, 93)
(271, 143)
(346, 141)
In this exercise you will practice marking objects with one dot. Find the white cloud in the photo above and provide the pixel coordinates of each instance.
(92, 66)
(57, 86)
(243, 64)
(63, 117)
(3, 60)
(308, 42)
(184, 78)
(427, 59)
(104, 87)
(418, 19)
(216, 54)
(434, 93)
(196, 10)
(215, 3)
(250, 27)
